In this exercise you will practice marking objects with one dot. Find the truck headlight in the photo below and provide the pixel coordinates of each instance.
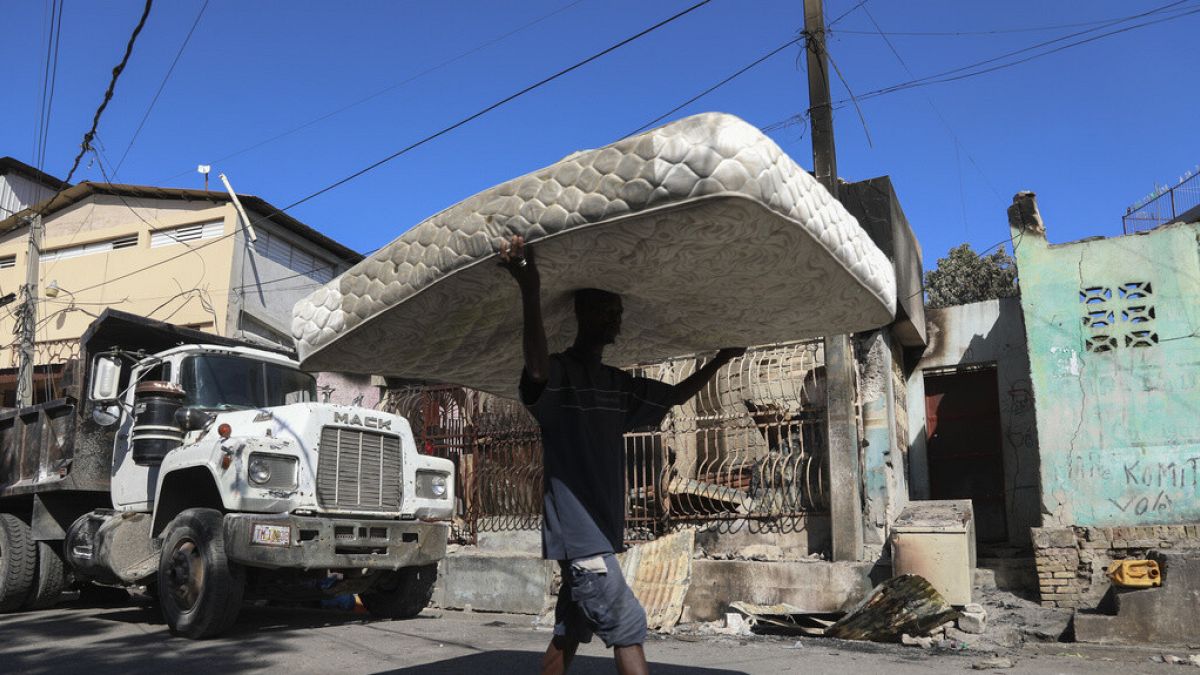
(272, 471)
(432, 484)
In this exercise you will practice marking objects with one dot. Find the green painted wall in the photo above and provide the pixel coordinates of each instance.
(1115, 363)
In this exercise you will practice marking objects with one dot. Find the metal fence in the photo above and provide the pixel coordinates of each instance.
(751, 445)
(1165, 207)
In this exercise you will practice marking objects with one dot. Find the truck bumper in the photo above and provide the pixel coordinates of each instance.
(332, 543)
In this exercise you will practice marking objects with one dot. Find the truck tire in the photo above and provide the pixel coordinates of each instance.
(18, 562)
(51, 578)
(402, 594)
(199, 589)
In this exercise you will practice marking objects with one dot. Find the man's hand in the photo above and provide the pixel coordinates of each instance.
(696, 381)
(518, 260)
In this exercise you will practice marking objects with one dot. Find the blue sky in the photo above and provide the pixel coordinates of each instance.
(1091, 129)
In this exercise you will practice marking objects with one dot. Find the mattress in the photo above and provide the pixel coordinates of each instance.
(711, 234)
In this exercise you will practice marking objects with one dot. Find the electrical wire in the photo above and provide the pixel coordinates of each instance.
(998, 31)
(162, 85)
(412, 146)
(951, 76)
(501, 102)
(945, 123)
(718, 85)
(384, 90)
(845, 14)
(49, 80)
(108, 94)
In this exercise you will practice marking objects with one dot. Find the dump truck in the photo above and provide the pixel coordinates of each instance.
(205, 470)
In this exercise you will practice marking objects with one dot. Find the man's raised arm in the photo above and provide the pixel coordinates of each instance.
(518, 260)
(691, 386)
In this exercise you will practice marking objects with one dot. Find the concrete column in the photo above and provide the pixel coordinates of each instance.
(845, 481)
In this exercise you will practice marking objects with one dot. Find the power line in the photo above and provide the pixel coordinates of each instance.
(845, 14)
(936, 110)
(949, 75)
(108, 94)
(497, 104)
(421, 142)
(386, 89)
(162, 85)
(998, 31)
(718, 85)
(49, 80)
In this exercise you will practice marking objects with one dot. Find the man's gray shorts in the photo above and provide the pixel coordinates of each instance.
(601, 604)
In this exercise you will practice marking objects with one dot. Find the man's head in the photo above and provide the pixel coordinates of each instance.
(599, 315)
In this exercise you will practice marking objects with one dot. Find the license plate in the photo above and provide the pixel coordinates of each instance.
(272, 535)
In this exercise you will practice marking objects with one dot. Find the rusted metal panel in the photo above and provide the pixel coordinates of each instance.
(659, 572)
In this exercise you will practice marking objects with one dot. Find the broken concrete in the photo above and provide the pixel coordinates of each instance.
(791, 539)
(493, 582)
(1164, 615)
(814, 586)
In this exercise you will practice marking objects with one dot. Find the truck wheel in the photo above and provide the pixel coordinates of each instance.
(18, 562)
(199, 589)
(51, 579)
(402, 594)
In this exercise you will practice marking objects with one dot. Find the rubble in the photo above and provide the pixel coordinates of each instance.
(903, 604)
(973, 619)
(923, 642)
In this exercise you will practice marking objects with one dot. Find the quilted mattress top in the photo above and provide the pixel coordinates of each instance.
(713, 236)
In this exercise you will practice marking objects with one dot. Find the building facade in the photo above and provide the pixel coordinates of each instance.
(182, 256)
(1114, 355)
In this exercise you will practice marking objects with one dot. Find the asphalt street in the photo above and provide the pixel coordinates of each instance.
(131, 638)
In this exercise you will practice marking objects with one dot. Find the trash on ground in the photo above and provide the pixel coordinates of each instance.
(783, 619)
(903, 604)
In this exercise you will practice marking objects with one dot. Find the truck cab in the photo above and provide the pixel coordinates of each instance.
(229, 479)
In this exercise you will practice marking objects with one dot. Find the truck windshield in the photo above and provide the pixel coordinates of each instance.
(221, 382)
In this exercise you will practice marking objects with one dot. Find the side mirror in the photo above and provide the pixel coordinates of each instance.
(106, 379)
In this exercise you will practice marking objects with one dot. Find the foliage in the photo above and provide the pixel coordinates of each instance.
(963, 277)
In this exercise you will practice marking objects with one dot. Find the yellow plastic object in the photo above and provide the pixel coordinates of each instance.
(1135, 573)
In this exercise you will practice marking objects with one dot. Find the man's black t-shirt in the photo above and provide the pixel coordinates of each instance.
(584, 410)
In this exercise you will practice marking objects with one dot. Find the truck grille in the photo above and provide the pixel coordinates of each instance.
(358, 470)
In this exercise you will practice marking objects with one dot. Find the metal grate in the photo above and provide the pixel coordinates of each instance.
(358, 470)
(751, 445)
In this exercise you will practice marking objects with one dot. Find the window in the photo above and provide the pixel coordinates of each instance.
(275, 248)
(187, 233)
(128, 241)
(222, 382)
(8, 261)
(1120, 317)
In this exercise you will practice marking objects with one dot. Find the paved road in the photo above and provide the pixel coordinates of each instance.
(131, 638)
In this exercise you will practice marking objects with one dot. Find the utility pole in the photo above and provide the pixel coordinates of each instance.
(27, 314)
(845, 482)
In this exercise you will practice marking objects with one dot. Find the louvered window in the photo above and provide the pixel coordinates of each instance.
(187, 233)
(65, 253)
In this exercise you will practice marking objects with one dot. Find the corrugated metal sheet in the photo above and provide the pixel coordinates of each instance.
(659, 572)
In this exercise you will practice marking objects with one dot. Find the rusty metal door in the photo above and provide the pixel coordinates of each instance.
(964, 441)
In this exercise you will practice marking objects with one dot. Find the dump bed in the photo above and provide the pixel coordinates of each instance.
(56, 445)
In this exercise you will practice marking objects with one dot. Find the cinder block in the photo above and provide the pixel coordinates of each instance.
(1053, 537)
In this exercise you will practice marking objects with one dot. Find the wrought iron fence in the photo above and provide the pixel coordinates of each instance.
(1165, 207)
(751, 445)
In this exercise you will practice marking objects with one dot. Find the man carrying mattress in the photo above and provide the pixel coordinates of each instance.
(584, 408)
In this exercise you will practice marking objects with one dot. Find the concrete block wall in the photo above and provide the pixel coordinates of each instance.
(1072, 561)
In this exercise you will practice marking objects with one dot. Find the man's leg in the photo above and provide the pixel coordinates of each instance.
(631, 660)
(559, 654)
